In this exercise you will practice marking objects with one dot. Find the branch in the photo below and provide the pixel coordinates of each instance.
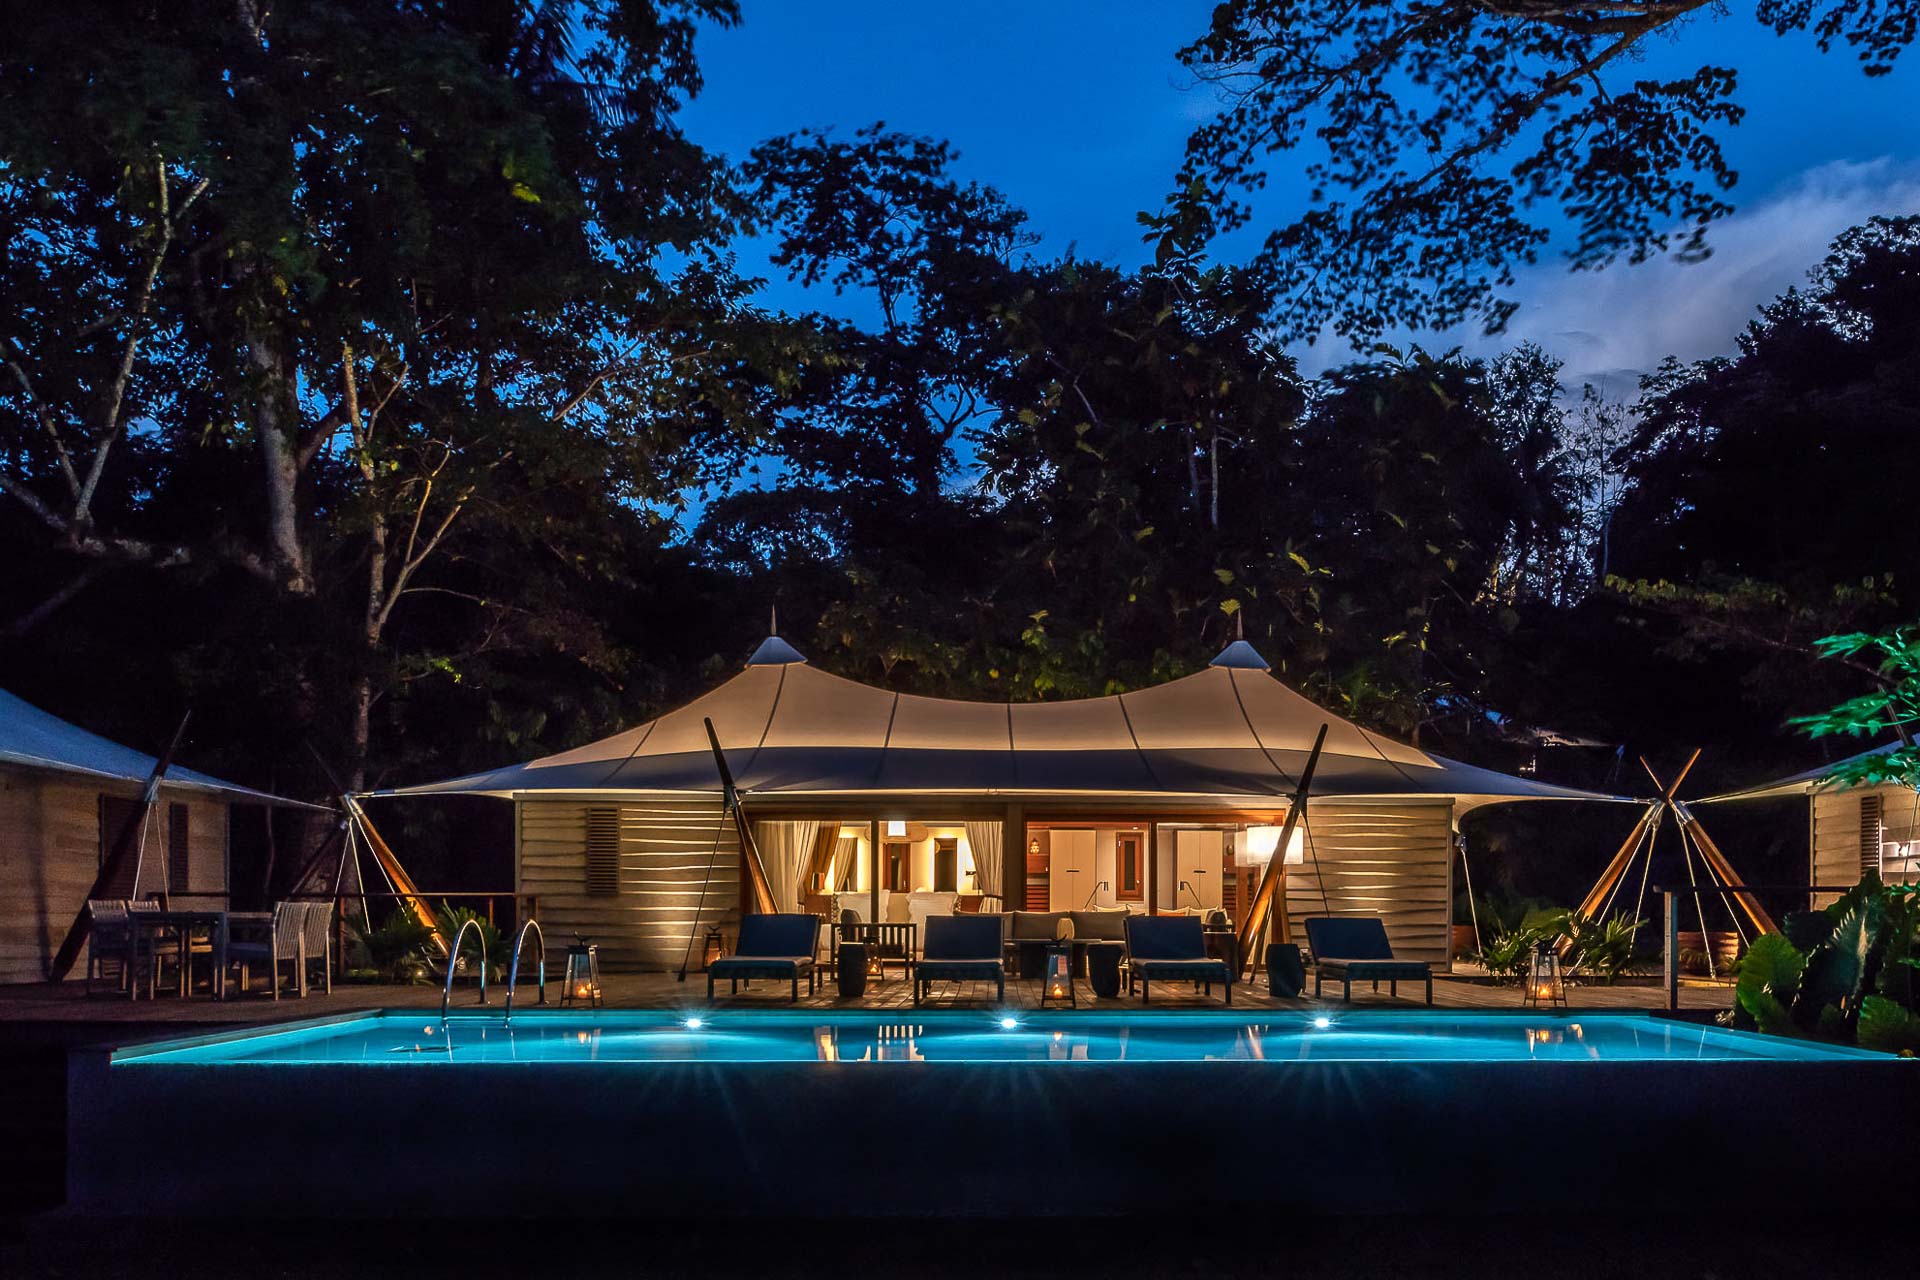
(44, 416)
(45, 609)
(143, 299)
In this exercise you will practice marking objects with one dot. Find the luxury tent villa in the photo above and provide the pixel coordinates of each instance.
(897, 807)
(66, 799)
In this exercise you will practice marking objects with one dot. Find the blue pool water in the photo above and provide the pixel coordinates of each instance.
(407, 1039)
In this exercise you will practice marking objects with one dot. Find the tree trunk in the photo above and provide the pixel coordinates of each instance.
(373, 626)
(276, 425)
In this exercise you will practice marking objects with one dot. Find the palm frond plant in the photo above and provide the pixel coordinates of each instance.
(397, 949)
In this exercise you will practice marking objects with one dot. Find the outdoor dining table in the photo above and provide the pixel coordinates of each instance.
(217, 926)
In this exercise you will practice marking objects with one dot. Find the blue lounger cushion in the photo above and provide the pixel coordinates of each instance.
(773, 945)
(1172, 947)
(960, 949)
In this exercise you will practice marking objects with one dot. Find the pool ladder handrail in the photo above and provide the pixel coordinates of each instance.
(513, 972)
(453, 963)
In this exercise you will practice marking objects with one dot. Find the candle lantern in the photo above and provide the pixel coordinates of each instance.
(876, 963)
(1058, 984)
(581, 984)
(1546, 984)
(714, 948)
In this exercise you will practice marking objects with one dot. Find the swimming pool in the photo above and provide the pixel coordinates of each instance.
(635, 1038)
(797, 1114)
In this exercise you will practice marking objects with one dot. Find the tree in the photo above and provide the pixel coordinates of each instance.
(308, 291)
(1893, 656)
(1761, 488)
(1446, 137)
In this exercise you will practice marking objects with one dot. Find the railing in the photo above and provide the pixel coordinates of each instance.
(453, 963)
(513, 973)
(1671, 896)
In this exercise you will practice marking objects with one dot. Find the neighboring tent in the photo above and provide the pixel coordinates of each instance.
(1799, 784)
(1230, 732)
(1851, 830)
(75, 810)
(34, 739)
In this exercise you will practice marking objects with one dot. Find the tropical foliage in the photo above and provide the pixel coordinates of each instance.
(1849, 973)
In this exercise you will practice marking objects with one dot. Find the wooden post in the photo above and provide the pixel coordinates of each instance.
(1153, 868)
(873, 871)
(1672, 949)
(1013, 859)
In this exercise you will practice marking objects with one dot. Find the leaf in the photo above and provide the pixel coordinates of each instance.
(1834, 972)
(1887, 1026)
(521, 191)
(1772, 966)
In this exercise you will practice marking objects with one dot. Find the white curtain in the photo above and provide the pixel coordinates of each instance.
(843, 856)
(986, 840)
(784, 850)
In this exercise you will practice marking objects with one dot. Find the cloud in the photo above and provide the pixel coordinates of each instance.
(1611, 326)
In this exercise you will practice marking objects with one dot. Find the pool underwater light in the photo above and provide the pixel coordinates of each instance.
(694, 1024)
(1322, 1022)
(1008, 1024)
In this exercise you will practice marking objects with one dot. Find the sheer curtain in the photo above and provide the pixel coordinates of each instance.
(784, 849)
(986, 839)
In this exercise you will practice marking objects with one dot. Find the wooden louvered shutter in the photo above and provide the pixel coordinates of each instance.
(603, 852)
(1872, 832)
(178, 847)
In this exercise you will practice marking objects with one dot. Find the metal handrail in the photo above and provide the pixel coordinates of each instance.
(513, 972)
(453, 963)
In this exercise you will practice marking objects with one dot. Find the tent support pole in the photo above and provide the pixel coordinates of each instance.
(1263, 896)
(123, 848)
(762, 888)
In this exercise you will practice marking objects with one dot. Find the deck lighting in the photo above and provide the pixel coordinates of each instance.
(1322, 1022)
(1008, 1024)
(1546, 985)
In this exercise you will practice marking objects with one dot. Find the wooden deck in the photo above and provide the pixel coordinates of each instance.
(66, 1003)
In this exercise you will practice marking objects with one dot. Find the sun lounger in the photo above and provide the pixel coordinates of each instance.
(774, 945)
(1349, 947)
(961, 949)
(1163, 947)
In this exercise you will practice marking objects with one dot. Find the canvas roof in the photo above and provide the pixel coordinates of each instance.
(36, 739)
(1799, 784)
(1231, 732)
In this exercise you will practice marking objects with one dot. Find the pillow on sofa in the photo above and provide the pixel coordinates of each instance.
(1036, 926)
(1107, 926)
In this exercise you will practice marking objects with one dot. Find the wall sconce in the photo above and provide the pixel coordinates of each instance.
(896, 829)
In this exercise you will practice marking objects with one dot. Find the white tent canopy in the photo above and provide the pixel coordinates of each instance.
(34, 739)
(1799, 784)
(1231, 732)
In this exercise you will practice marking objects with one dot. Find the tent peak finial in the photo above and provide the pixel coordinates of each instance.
(775, 652)
(1241, 656)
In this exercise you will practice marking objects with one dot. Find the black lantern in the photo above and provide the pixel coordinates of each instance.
(714, 948)
(581, 985)
(1546, 985)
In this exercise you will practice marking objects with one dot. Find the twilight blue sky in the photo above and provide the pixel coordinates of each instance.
(1077, 110)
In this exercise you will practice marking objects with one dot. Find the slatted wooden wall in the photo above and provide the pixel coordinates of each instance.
(1843, 824)
(642, 909)
(1393, 861)
(50, 852)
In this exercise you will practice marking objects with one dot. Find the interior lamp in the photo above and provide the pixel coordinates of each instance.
(1263, 841)
(896, 829)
